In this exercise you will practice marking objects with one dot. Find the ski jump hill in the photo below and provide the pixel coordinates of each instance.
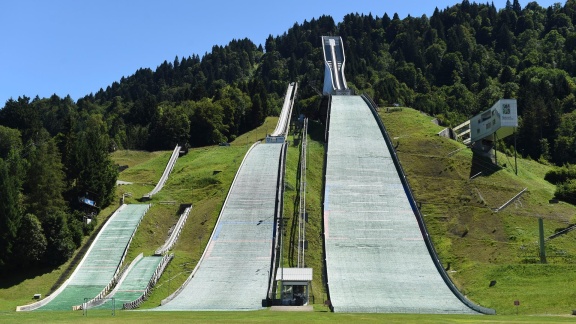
(236, 269)
(379, 257)
(98, 270)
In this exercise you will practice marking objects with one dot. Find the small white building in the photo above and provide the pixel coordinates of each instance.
(295, 283)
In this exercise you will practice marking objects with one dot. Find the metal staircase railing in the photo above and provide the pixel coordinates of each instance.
(302, 208)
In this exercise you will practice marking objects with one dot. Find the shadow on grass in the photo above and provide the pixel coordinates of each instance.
(482, 166)
(294, 244)
(14, 277)
(316, 131)
(17, 276)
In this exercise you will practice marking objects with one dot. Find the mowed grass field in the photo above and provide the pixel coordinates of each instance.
(267, 316)
(475, 243)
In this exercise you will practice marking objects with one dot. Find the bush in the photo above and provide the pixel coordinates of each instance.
(60, 244)
(76, 231)
(561, 174)
(566, 191)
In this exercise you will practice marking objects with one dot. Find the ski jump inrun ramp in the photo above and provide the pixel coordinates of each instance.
(378, 254)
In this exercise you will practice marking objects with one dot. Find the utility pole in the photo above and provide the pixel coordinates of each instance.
(542, 249)
(515, 160)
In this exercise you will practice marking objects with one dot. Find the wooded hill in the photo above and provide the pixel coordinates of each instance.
(453, 64)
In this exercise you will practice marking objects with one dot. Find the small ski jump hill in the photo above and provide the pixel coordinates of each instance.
(165, 174)
(96, 272)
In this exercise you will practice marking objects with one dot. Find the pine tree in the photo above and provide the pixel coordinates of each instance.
(516, 7)
(31, 242)
(9, 140)
(44, 183)
(60, 246)
(10, 214)
(97, 174)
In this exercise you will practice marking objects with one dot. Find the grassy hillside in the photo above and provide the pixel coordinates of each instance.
(477, 244)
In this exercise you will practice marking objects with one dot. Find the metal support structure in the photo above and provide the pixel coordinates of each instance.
(495, 149)
(515, 151)
(542, 248)
(278, 249)
(302, 209)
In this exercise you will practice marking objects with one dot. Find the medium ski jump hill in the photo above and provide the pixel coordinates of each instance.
(235, 270)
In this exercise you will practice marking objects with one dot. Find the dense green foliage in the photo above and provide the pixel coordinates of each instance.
(10, 214)
(189, 101)
(565, 180)
(561, 174)
(566, 191)
(42, 180)
(453, 64)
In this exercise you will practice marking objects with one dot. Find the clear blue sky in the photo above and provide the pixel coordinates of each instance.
(76, 47)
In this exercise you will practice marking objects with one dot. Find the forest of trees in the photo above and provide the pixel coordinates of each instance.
(41, 178)
(453, 65)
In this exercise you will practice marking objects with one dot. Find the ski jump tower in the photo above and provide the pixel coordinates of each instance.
(483, 130)
(334, 62)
